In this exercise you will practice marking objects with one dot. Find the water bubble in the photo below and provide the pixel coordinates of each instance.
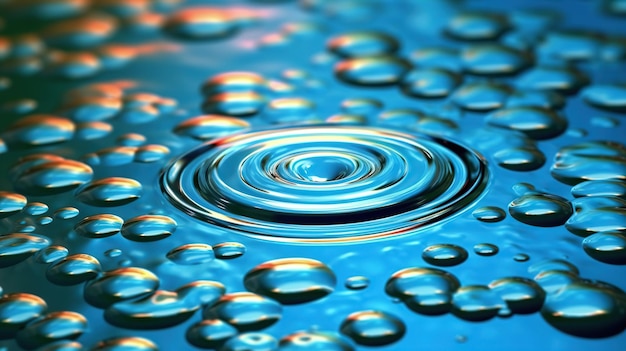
(229, 250)
(11, 203)
(51, 327)
(93, 130)
(357, 282)
(119, 285)
(52, 254)
(202, 23)
(359, 44)
(318, 163)
(606, 247)
(481, 96)
(430, 82)
(291, 280)
(586, 309)
(191, 254)
(234, 103)
(559, 79)
(607, 97)
(66, 212)
(593, 160)
(99, 226)
(476, 303)
(476, 26)
(49, 174)
(424, 290)
(522, 296)
(40, 130)
(210, 333)
(493, 59)
(346, 119)
(489, 214)
(372, 71)
(107, 192)
(520, 159)
(73, 269)
(147, 228)
(311, 341)
(16, 310)
(208, 127)
(373, 328)
(16, 247)
(245, 311)
(537, 123)
(486, 249)
(126, 343)
(444, 255)
(542, 210)
(251, 341)
(163, 309)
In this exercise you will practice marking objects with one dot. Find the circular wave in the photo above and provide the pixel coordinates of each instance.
(325, 183)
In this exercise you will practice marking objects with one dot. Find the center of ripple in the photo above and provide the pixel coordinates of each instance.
(325, 183)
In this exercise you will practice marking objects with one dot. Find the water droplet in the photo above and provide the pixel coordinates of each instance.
(229, 250)
(570, 45)
(444, 255)
(148, 228)
(489, 214)
(593, 160)
(16, 310)
(430, 82)
(245, 311)
(476, 303)
(559, 79)
(129, 343)
(520, 159)
(119, 285)
(486, 249)
(11, 203)
(131, 139)
(546, 99)
(291, 280)
(537, 123)
(208, 127)
(290, 110)
(521, 257)
(202, 23)
(99, 226)
(606, 247)
(437, 57)
(108, 192)
(359, 44)
(522, 296)
(52, 254)
(210, 333)
(81, 32)
(251, 341)
(91, 108)
(112, 156)
(481, 96)
(73, 269)
(476, 26)
(357, 282)
(16, 247)
(311, 341)
(234, 103)
(62, 345)
(191, 254)
(361, 106)
(605, 219)
(373, 328)
(40, 130)
(542, 210)
(51, 327)
(113, 253)
(585, 309)
(493, 60)
(607, 97)
(66, 212)
(93, 130)
(234, 82)
(49, 174)
(372, 71)
(424, 290)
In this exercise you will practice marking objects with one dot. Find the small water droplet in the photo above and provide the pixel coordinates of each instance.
(191, 254)
(444, 255)
(489, 214)
(148, 228)
(373, 328)
(486, 249)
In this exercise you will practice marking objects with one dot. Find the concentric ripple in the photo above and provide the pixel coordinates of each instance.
(325, 183)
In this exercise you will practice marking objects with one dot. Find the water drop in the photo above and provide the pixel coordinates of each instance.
(291, 280)
(444, 255)
(559, 79)
(66, 212)
(521, 257)
(520, 159)
(51, 327)
(229, 250)
(593, 160)
(52, 254)
(40, 130)
(49, 174)
(131, 139)
(16, 310)
(424, 290)
(191, 254)
(489, 214)
(312, 341)
(606, 247)
(16, 247)
(542, 210)
(493, 60)
(210, 333)
(239, 104)
(253, 341)
(91, 108)
(537, 123)
(35, 208)
(290, 110)
(126, 343)
(208, 127)
(108, 192)
(361, 106)
(476, 26)
(99, 226)
(147, 228)
(486, 249)
(234, 82)
(373, 328)
(476, 303)
(11, 203)
(481, 96)
(372, 71)
(93, 130)
(570, 45)
(73, 269)
(430, 82)
(359, 44)
(119, 285)
(605, 219)
(201, 23)
(606, 97)
(357, 282)
(522, 296)
(546, 99)
(437, 57)
(245, 311)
